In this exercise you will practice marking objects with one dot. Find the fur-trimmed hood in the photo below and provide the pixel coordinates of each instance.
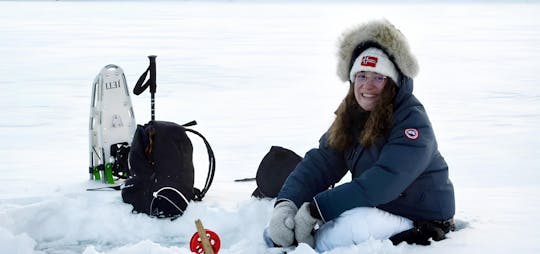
(377, 33)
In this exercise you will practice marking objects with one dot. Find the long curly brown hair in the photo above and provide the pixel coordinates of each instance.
(353, 124)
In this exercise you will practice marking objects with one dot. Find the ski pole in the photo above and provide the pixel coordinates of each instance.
(152, 83)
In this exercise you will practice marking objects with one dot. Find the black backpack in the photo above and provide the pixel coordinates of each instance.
(161, 181)
(161, 166)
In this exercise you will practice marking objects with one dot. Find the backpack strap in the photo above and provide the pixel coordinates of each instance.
(199, 194)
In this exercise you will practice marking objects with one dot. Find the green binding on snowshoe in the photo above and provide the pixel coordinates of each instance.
(108, 173)
(97, 175)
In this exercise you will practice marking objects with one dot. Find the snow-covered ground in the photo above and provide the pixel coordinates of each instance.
(255, 75)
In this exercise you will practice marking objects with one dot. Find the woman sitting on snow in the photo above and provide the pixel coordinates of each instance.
(400, 188)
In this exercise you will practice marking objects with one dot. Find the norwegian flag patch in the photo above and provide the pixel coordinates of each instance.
(412, 133)
(369, 61)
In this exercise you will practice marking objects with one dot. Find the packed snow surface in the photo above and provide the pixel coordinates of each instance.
(255, 75)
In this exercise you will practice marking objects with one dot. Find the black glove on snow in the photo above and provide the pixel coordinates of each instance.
(421, 233)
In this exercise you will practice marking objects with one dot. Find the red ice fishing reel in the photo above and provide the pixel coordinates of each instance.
(204, 241)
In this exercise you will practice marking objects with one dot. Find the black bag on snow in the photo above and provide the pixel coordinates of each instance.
(161, 182)
(273, 170)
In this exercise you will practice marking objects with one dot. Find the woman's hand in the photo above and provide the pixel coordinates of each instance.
(304, 225)
(281, 228)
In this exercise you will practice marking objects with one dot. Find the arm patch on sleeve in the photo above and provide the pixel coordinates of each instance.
(411, 133)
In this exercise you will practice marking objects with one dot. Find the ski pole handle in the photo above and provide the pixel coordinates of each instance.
(152, 78)
(152, 84)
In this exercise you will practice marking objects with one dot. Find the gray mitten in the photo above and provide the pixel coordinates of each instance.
(282, 223)
(304, 225)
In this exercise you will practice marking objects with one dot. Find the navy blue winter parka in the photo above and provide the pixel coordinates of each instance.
(403, 173)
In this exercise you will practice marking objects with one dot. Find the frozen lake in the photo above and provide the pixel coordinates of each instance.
(255, 75)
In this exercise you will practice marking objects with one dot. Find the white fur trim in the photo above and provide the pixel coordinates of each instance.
(387, 36)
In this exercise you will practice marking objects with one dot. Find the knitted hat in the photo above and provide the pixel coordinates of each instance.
(375, 60)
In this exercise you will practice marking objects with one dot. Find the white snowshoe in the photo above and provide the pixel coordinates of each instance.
(112, 126)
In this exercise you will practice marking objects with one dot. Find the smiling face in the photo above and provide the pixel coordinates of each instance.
(368, 87)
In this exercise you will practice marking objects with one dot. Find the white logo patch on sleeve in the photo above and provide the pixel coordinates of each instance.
(411, 133)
